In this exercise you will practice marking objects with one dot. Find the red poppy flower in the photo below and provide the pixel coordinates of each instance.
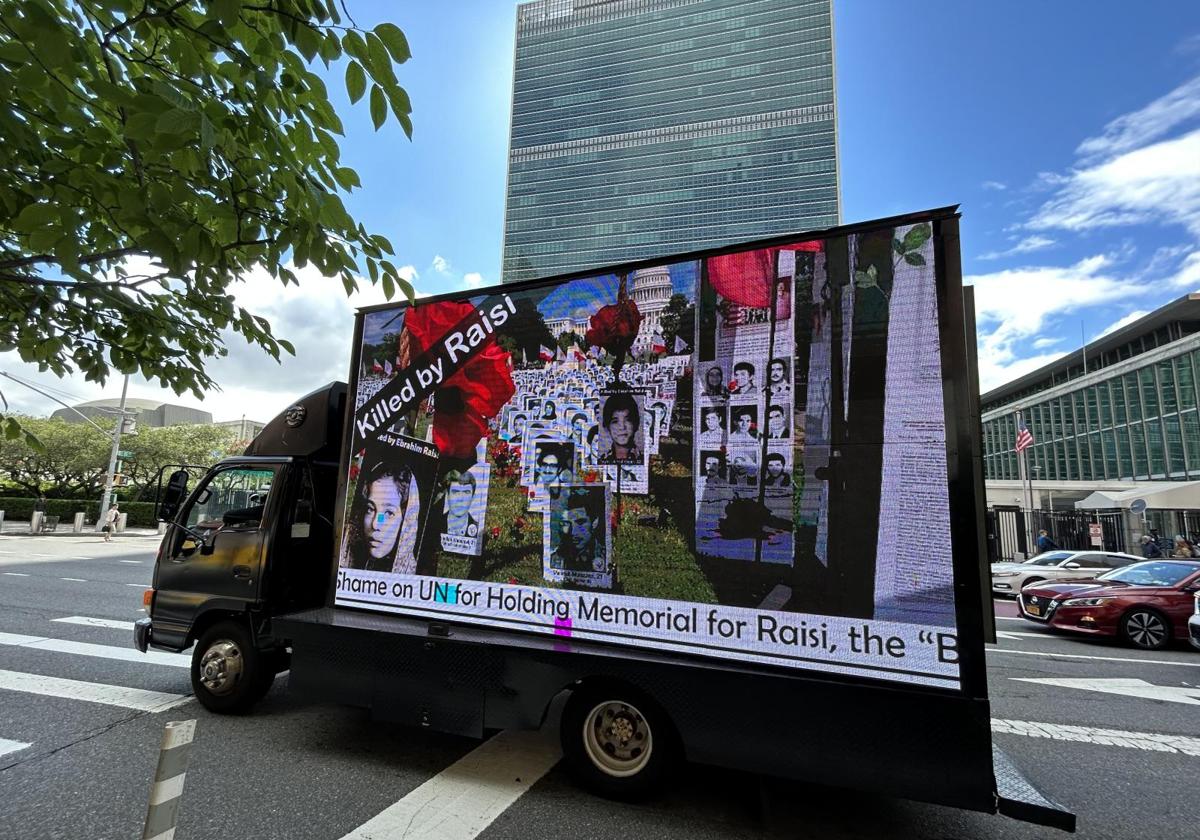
(495, 531)
(475, 393)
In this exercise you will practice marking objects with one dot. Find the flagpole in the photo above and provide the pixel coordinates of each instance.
(1026, 488)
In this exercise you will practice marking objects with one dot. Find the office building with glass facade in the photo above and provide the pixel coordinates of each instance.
(644, 128)
(1122, 409)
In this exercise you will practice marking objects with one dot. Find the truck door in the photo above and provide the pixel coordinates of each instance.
(233, 510)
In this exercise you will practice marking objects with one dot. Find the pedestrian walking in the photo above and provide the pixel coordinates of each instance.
(1150, 549)
(110, 521)
(1044, 542)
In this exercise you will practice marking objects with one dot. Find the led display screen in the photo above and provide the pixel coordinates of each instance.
(740, 456)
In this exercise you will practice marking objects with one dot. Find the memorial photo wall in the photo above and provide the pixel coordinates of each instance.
(741, 455)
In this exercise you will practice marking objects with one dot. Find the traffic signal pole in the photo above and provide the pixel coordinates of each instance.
(112, 458)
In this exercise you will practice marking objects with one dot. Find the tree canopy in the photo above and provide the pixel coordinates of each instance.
(73, 457)
(153, 151)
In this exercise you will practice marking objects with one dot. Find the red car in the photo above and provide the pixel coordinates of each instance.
(1147, 604)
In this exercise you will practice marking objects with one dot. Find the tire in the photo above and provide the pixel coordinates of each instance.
(229, 674)
(1146, 629)
(616, 742)
(1031, 582)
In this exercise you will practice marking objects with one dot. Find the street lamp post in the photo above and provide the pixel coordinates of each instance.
(112, 458)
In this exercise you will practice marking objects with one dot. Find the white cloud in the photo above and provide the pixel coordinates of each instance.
(1134, 130)
(1027, 245)
(1015, 308)
(440, 264)
(1187, 279)
(472, 279)
(1121, 322)
(1157, 183)
(993, 185)
(1043, 343)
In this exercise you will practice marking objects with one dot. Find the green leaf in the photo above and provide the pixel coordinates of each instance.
(354, 46)
(378, 106)
(381, 66)
(207, 138)
(356, 81)
(898, 247)
(287, 345)
(863, 280)
(389, 287)
(227, 11)
(913, 258)
(35, 216)
(43, 239)
(917, 236)
(406, 124)
(346, 177)
(395, 41)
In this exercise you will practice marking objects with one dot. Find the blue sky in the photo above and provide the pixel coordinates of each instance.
(1069, 132)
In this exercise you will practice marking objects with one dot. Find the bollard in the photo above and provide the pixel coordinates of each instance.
(77, 527)
(1, 520)
(35, 521)
(173, 755)
(121, 519)
(162, 526)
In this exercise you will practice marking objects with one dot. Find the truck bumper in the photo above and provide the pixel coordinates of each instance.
(141, 634)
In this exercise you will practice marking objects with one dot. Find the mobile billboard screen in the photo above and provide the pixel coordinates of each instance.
(741, 455)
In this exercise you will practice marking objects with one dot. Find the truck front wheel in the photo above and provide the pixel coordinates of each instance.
(616, 742)
(229, 674)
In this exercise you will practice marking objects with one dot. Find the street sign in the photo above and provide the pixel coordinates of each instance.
(1138, 505)
(124, 454)
(1096, 531)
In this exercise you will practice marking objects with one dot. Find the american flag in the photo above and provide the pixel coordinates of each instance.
(1024, 436)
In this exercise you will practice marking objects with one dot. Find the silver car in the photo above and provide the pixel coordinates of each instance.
(1010, 578)
(1194, 625)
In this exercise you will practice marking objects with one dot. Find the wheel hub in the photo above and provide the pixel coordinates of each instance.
(617, 738)
(221, 667)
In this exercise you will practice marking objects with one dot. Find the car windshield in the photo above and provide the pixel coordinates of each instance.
(1050, 558)
(1151, 574)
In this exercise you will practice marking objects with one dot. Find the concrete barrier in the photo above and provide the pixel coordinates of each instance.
(162, 526)
(35, 521)
(77, 525)
(173, 754)
(122, 518)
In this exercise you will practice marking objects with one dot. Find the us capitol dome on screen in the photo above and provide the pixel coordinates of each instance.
(650, 289)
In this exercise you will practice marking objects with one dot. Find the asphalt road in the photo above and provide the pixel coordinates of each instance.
(73, 767)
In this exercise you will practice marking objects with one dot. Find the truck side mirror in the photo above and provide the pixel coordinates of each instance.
(172, 496)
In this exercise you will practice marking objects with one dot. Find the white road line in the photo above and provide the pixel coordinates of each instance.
(1151, 741)
(1007, 652)
(109, 695)
(16, 574)
(139, 585)
(87, 621)
(7, 746)
(135, 562)
(74, 580)
(464, 799)
(129, 654)
(1009, 618)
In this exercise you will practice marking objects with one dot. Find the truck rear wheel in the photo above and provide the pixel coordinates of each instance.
(616, 742)
(229, 674)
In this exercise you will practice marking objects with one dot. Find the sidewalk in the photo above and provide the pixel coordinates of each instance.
(21, 529)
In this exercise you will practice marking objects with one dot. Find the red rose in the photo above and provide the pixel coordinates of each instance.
(495, 531)
(475, 393)
(745, 277)
(614, 327)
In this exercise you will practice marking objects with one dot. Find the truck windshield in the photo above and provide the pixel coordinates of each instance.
(235, 497)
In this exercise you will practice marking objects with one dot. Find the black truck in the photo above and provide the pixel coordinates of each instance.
(730, 501)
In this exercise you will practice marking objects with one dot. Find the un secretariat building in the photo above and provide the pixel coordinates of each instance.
(645, 128)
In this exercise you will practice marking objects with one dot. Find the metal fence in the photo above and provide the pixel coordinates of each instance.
(1010, 531)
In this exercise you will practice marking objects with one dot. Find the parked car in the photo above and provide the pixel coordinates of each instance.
(1011, 578)
(1194, 625)
(1147, 604)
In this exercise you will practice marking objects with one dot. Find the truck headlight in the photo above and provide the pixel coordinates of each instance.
(1085, 602)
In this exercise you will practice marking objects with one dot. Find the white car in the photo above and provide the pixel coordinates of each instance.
(1010, 578)
(1194, 625)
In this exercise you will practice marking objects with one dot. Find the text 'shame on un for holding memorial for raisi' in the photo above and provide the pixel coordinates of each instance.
(740, 456)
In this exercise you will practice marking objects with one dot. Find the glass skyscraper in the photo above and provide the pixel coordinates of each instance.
(644, 128)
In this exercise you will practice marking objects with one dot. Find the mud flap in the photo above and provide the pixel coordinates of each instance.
(1016, 797)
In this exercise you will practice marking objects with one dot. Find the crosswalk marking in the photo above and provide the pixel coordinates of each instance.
(134, 562)
(7, 746)
(1127, 659)
(109, 695)
(460, 802)
(88, 621)
(16, 574)
(1152, 741)
(128, 654)
(139, 585)
(74, 580)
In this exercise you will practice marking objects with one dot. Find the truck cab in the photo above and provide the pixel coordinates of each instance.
(249, 541)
